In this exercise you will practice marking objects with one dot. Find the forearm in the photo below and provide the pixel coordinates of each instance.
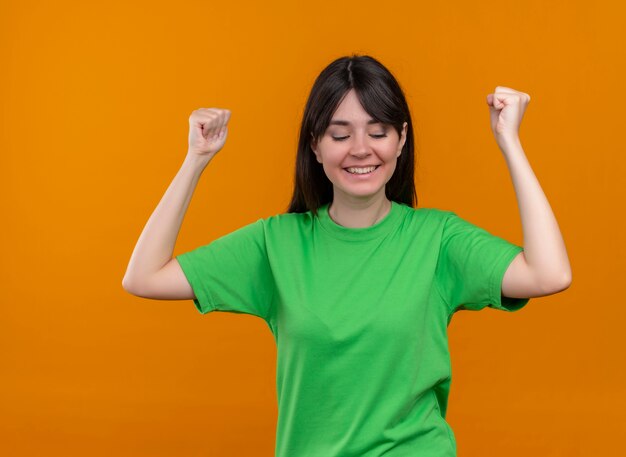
(158, 238)
(544, 248)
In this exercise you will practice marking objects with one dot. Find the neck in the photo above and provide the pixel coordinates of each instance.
(359, 215)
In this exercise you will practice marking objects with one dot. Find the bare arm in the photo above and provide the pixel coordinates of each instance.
(152, 272)
(156, 243)
(543, 268)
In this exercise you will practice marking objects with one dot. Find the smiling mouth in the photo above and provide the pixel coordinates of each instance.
(365, 173)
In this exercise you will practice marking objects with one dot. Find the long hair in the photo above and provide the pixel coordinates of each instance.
(382, 98)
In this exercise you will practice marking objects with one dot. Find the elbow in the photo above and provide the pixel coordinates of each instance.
(125, 284)
(128, 286)
(559, 284)
(563, 286)
(566, 279)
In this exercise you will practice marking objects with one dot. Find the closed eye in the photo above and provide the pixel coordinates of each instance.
(341, 138)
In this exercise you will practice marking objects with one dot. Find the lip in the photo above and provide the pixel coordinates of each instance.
(362, 176)
(363, 166)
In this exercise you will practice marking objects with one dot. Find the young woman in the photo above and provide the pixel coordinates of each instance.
(356, 284)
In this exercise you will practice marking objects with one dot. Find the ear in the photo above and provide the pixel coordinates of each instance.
(314, 148)
(405, 127)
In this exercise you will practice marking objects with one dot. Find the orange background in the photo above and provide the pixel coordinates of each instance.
(95, 104)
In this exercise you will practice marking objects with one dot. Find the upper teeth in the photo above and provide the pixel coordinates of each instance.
(361, 170)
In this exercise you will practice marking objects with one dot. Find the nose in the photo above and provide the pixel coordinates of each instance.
(360, 146)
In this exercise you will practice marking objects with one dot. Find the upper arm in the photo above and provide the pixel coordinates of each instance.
(520, 281)
(169, 283)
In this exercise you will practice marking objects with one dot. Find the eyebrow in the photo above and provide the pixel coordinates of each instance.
(343, 122)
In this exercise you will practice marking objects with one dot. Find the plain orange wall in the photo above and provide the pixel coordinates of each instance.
(95, 103)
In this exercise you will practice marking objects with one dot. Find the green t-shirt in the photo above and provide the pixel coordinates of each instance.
(360, 318)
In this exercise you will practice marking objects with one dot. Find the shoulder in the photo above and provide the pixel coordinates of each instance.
(286, 223)
(288, 219)
(427, 215)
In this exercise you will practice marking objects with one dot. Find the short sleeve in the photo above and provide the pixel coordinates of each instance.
(232, 273)
(471, 266)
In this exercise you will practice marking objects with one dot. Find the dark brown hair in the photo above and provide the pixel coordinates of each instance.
(382, 98)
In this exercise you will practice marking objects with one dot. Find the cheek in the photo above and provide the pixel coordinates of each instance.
(390, 154)
(333, 157)
(391, 164)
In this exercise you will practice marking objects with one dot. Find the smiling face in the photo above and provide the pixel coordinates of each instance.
(353, 139)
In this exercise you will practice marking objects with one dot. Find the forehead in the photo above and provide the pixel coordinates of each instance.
(351, 112)
(337, 121)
